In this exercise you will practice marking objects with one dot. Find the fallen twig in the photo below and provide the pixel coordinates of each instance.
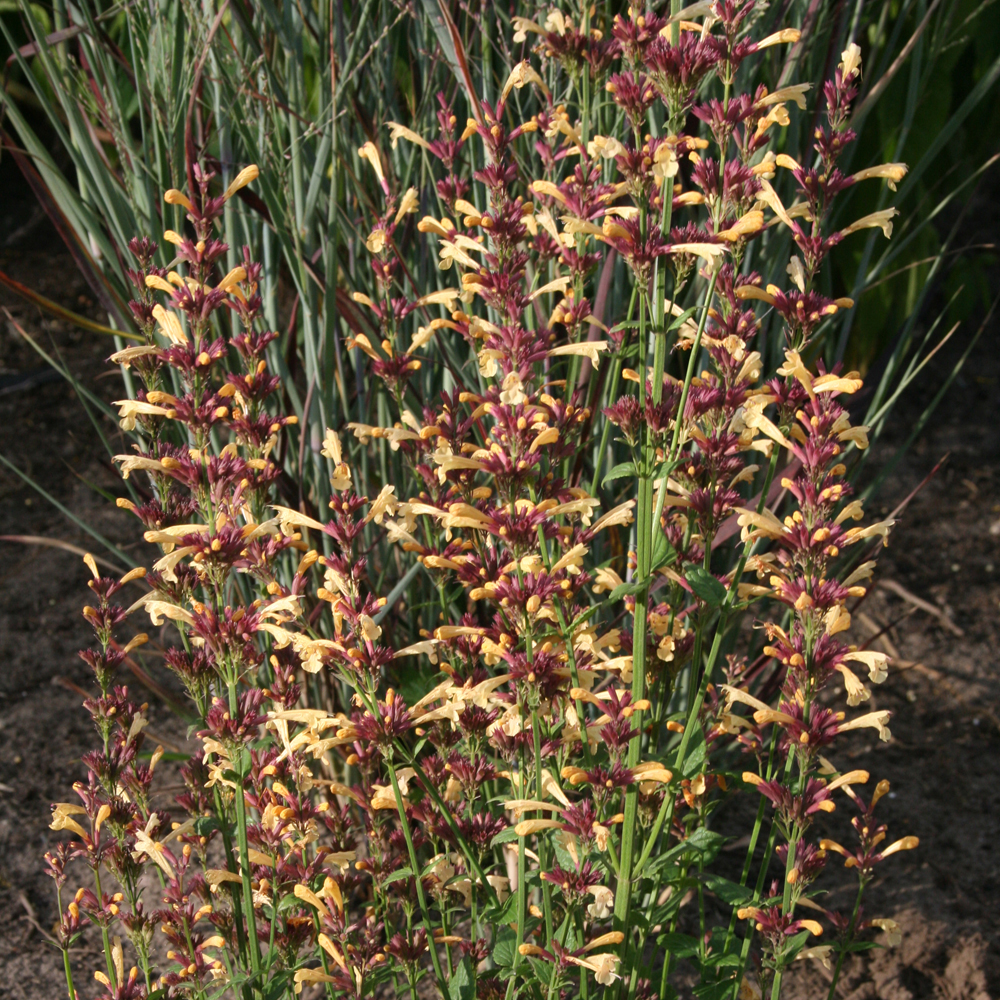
(32, 917)
(918, 602)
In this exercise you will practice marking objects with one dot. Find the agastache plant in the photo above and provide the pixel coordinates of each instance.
(533, 817)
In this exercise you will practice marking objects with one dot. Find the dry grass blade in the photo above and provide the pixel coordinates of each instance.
(32, 918)
(451, 45)
(887, 77)
(58, 543)
(918, 602)
(63, 313)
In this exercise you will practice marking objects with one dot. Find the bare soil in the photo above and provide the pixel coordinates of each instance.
(46, 433)
(945, 696)
(944, 693)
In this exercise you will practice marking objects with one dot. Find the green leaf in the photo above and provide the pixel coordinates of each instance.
(714, 991)
(505, 913)
(664, 554)
(728, 892)
(169, 755)
(679, 945)
(706, 586)
(462, 984)
(708, 843)
(233, 984)
(277, 986)
(794, 945)
(863, 946)
(619, 471)
(721, 961)
(451, 45)
(503, 950)
(242, 763)
(624, 588)
(288, 903)
(541, 970)
(504, 837)
(398, 876)
(584, 616)
(679, 321)
(695, 759)
(662, 862)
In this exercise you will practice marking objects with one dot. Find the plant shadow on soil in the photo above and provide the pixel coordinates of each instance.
(942, 760)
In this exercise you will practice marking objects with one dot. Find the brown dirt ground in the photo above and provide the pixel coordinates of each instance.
(942, 760)
(944, 693)
(43, 728)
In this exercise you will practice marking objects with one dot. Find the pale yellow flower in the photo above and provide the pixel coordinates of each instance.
(144, 844)
(876, 220)
(62, 818)
(384, 504)
(590, 349)
(129, 409)
(521, 75)
(246, 176)
(851, 60)
(604, 902)
(397, 132)
(877, 663)
(370, 153)
(170, 325)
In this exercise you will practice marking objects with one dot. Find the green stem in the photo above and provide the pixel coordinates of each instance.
(415, 868)
(450, 820)
(322, 957)
(789, 896)
(644, 525)
(787, 906)
(666, 810)
(65, 951)
(660, 294)
(692, 361)
(227, 845)
(69, 974)
(584, 984)
(104, 931)
(645, 522)
(191, 951)
(563, 932)
(522, 890)
(241, 836)
(575, 678)
(623, 894)
(758, 893)
(615, 376)
(754, 835)
(671, 458)
(847, 941)
(543, 846)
